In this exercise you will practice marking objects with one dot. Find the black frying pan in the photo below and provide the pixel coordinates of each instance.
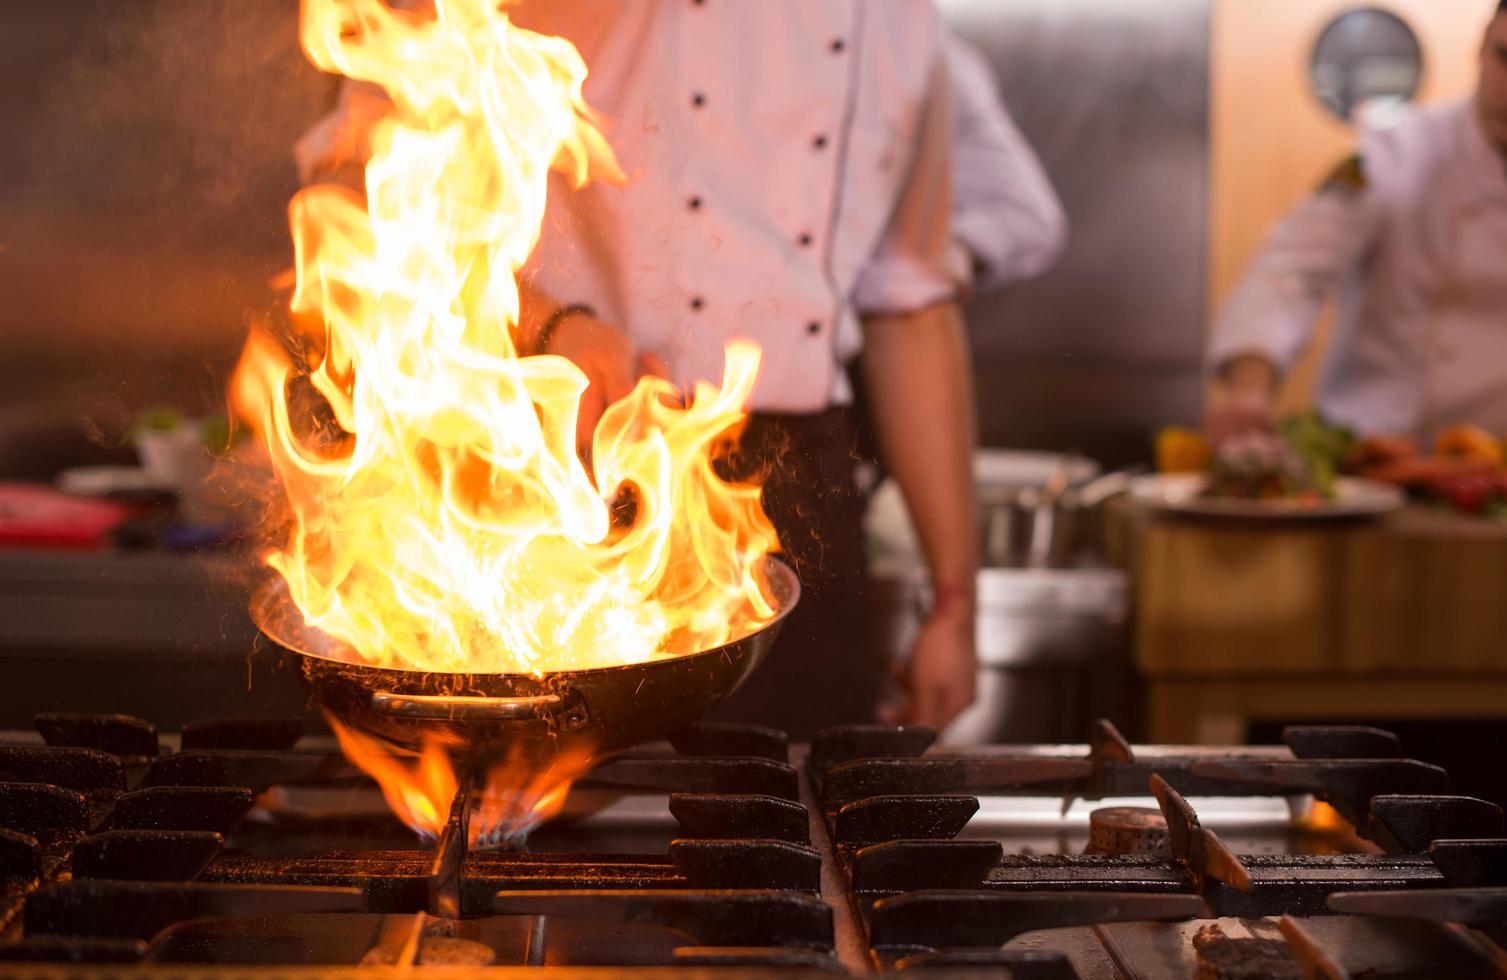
(483, 718)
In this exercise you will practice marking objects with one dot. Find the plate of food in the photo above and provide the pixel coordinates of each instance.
(1293, 472)
(1194, 493)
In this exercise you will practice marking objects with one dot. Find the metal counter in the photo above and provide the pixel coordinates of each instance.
(161, 636)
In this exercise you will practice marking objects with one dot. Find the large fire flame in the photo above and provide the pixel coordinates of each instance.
(439, 516)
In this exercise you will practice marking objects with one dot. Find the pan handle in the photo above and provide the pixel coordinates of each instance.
(456, 707)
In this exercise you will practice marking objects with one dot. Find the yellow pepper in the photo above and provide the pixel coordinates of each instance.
(1180, 450)
(1469, 442)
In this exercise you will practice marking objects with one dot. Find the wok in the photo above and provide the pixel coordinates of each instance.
(486, 717)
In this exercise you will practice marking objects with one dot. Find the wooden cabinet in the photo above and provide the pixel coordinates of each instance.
(1405, 617)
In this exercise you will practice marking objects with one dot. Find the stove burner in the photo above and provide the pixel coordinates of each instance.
(1246, 959)
(873, 850)
(1127, 830)
(429, 945)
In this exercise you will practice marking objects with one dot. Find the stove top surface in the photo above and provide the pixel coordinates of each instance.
(246, 845)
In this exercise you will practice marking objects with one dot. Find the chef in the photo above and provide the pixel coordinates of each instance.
(789, 178)
(1412, 235)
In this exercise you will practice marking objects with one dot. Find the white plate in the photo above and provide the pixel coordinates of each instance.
(1182, 493)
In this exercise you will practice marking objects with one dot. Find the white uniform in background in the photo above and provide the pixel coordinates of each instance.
(1413, 237)
(1004, 209)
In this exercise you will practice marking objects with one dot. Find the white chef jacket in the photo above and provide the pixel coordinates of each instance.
(1418, 253)
(1004, 208)
(789, 170)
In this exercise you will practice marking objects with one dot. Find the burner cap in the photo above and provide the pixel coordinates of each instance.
(438, 951)
(1127, 830)
(1246, 959)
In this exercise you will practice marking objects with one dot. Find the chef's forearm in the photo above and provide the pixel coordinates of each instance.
(920, 383)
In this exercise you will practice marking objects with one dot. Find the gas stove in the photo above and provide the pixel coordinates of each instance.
(244, 845)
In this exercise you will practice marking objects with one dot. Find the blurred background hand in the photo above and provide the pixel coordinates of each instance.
(1245, 400)
(937, 681)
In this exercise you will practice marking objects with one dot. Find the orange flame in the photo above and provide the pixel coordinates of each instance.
(516, 797)
(439, 517)
(1322, 816)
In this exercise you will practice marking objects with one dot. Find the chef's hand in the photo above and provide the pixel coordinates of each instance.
(1245, 401)
(1236, 415)
(606, 356)
(938, 680)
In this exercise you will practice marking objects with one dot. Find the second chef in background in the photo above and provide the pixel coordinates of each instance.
(1412, 236)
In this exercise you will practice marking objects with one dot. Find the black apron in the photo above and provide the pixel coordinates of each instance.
(822, 670)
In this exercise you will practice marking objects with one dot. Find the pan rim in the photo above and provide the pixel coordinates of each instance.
(786, 584)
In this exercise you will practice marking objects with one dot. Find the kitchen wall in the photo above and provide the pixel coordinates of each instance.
(144, 170)
(1107, 346)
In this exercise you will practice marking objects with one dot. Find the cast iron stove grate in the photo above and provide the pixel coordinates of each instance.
(926, 891)
(115, 851)
(869, 851)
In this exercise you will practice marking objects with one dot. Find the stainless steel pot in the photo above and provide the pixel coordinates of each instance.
(1048, 526)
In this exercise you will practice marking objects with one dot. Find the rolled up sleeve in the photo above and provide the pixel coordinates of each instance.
(917, 263)
(1274, 310)
(1005, 210)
